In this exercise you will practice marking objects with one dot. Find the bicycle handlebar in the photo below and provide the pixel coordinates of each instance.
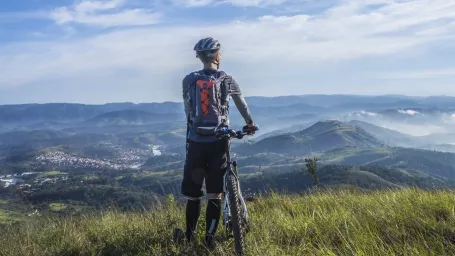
(230, 133)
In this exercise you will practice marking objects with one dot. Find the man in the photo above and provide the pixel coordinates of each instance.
(206, 100)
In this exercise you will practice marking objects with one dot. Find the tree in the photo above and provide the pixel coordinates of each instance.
(311, 165)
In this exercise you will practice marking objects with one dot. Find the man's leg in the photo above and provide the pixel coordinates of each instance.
(212, 215)
(214, 185)
(193, 178)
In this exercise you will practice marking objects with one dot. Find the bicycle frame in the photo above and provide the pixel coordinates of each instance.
(231, 170)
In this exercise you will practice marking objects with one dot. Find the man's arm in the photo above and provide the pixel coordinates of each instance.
(185, 86)
(239, 100)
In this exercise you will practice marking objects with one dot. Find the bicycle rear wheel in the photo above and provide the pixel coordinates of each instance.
(236, 215)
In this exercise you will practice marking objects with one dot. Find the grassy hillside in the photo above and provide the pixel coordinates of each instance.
(393, 222)
(435, 163)
(374, 177)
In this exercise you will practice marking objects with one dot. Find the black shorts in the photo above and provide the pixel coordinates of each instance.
(204, 160)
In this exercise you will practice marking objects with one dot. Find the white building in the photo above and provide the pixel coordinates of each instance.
(10, 182)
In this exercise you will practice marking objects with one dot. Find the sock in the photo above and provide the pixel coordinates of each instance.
(193, 210)
(212, 216)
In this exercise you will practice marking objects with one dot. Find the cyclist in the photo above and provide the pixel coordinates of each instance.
(206, 102)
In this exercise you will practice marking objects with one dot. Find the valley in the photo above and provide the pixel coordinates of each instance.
(84, 157)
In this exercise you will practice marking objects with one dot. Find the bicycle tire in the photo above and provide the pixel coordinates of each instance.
(236, 215)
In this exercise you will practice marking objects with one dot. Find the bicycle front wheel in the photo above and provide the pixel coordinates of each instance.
(236, 215)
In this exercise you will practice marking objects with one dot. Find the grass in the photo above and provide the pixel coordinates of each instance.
(7, 217)
(91, 178)
(50, 174)
(3, 202)
(57, 207)
(393, 222)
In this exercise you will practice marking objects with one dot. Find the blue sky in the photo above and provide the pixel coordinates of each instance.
(139, 50)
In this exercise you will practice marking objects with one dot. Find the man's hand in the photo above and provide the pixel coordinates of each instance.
(250, 129)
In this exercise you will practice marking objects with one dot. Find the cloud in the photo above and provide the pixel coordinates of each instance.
(192, 3)
(256, 2)
(363, 112)
(104, 14)
(408, 112)
(421, 74)
(271, 47)
(242, 3)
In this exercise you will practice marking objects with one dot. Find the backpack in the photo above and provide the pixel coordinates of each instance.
(208, 98)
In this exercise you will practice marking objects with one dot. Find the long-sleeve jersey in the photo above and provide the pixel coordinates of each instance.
(234, 91)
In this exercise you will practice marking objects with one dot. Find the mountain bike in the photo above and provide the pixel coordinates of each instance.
(235, 213)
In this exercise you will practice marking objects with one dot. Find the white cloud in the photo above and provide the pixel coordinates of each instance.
(192, 3)
(408, 112)
(421, 74)
(270, 47)
(104, 14)
(363, 112)
(256, 2)
(243, 3)
(94, 6)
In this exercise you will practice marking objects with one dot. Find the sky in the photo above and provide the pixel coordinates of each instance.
(90, 51)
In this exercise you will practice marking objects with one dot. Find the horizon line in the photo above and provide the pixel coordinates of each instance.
(246, 97)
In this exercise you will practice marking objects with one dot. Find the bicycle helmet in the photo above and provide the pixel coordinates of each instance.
(207, 50)
(207, 44)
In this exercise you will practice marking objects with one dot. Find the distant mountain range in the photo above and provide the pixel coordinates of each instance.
(27, 114)
(23, 137)
(261, 106)
(132, 117)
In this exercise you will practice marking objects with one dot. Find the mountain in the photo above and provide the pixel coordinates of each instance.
(320, 137)
(440, 147)
(439, 138)
(379, 105)
(34, 113)
(23, 137)
(338, 100)
(282, 130)
(131, 117)
(387, 136)
(370, 177)
(121, 129)
(29, 114)
(279, 116)
(441, 164)
(269, 110)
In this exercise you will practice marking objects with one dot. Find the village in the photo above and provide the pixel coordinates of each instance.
(26, 181)
(124, 158)
(62, 161)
